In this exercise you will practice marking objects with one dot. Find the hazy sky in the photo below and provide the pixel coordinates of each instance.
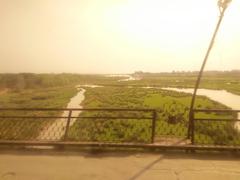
(115, 36)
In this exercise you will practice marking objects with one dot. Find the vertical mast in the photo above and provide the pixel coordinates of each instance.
(222, 5)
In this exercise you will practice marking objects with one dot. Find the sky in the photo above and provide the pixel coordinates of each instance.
(116, 36)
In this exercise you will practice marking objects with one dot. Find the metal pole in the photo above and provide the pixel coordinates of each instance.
(153, 126)
(223, 4)
(68, 124)
(193, 129)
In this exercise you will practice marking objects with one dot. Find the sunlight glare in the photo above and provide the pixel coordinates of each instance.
(153, 21)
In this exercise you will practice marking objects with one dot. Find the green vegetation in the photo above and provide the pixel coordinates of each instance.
(229, 80)
(24, 81)
(55, 97)
(218, 133)
(172, 116)
(28, 90)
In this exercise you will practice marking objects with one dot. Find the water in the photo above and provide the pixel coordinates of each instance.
(129, 78)
(126, 77)
(57, 129)
(221, 96)
(89, 85)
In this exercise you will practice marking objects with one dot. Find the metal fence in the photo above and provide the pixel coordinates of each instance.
(216, 131)
(104, 125)
(145, 127)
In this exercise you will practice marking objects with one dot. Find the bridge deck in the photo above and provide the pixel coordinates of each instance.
(120, 145)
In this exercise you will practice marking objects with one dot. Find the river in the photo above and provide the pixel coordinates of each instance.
(221, 96)
(57, 129)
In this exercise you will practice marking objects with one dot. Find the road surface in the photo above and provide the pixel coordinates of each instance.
(29, 165)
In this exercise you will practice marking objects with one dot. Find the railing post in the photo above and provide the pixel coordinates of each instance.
(68, 124)
(189, 133)
(153, 125)
(192, 127)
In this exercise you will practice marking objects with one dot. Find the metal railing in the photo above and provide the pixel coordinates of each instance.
(216, 131)
(118, 126)
(48, 124)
